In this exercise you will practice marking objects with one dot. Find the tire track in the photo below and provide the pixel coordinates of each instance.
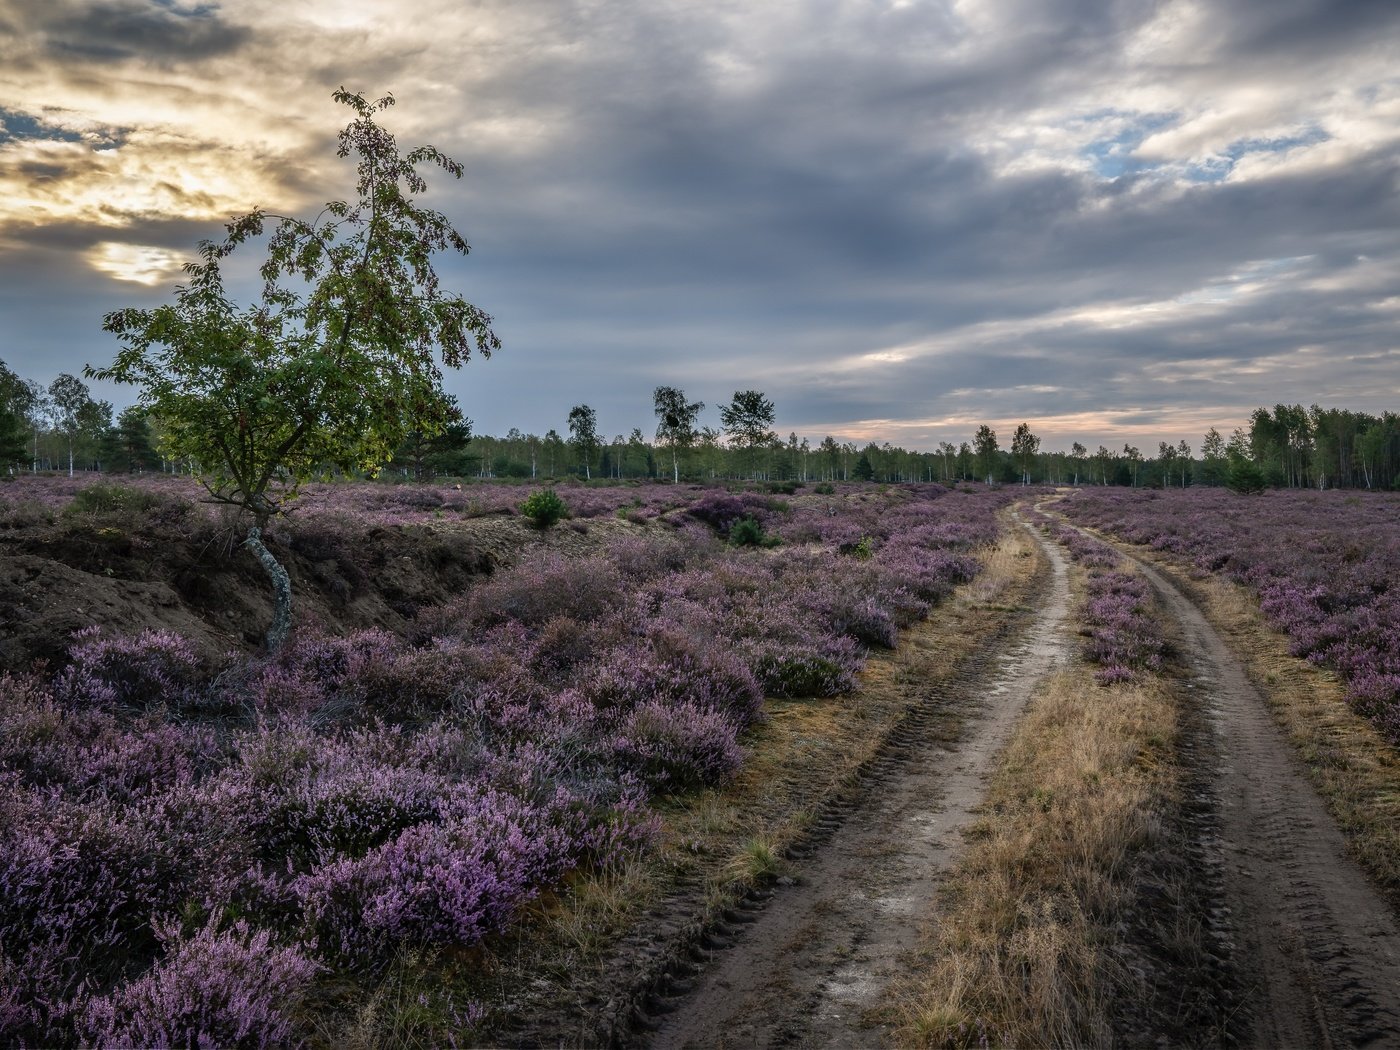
(1315, 949)
(811, 966)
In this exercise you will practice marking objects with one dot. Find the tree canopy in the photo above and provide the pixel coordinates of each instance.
(676, 422)
(583, 431)
(748, 420)
(15, 398)
(336, 362)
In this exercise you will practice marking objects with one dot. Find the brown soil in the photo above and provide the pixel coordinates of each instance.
(811, 969)
(128, 575)
(1315, 946)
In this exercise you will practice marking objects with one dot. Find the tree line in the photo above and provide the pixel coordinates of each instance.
(62, 427)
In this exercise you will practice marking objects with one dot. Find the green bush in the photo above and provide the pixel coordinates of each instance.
(1244, 477)
(826, 488)
(544, 509)
(103, 498)
(748, 532)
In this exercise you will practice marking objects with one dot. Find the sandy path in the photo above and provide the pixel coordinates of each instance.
(814, 962)
(1317, 951)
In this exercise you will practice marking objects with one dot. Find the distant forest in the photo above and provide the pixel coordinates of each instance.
(61, 427)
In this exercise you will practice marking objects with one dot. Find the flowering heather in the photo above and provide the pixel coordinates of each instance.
(184, 854)
(233, 988)
(1324, 565)
(1086, 550)
(155, 668)
(1122, 635)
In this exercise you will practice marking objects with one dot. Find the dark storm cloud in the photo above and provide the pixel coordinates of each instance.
(115, 31)
(1293, 27)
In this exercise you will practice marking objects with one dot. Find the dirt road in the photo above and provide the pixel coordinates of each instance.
(1317, 951)
(814, 963)
(1314, 951)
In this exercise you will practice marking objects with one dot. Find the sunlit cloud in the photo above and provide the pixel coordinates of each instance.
(138, 263)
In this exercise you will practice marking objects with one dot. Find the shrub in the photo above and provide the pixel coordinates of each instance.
(826, 488)
(233, 988)
(719, 510)
(796, 668)
(1244, 477)
(105, 498)
(152, 669)
(674, 669)
(544, 509)
(1123, 636)
(679, 746)
(84, 880)
(748, 532)
(540, 588)
(437, 884)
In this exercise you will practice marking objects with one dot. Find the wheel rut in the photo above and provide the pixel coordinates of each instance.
(809, 968)
(1314, 948)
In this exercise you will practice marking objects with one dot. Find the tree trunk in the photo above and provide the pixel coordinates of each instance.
(281, 590)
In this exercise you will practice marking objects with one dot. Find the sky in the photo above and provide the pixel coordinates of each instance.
(1117, 220)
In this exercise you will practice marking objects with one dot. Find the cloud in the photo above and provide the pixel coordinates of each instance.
(138, 263)
(1095, 213)
(116, 31)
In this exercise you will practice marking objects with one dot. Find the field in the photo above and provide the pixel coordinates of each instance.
(215, 843)
(1325, 568)
(803, 764)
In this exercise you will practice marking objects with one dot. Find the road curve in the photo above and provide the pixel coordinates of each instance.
(1317, 950)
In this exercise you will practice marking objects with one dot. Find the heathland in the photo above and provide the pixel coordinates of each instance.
(699, 764)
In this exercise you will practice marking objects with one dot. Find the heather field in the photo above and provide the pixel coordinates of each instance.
(207, 850)
(1324, 565)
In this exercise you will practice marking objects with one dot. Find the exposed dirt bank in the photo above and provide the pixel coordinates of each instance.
(190, 576)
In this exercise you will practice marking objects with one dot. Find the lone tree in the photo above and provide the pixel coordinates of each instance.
(1077, 455)
(425, 453)
(15, 401)
(748, 420)
(583, 431)
(1024, 446)
(675, 422)
(335, 364)
(984, 446)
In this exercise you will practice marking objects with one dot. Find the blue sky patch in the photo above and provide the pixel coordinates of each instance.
(1219, 167)
(1113, 157)
(23, 126)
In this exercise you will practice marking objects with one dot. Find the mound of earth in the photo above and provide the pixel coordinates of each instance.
(127, 573)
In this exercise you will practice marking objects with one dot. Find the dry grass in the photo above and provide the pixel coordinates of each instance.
(1354, 770)
(1019, 955)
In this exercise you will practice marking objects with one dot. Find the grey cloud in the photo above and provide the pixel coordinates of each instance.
(117, 31)
(831, 195)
